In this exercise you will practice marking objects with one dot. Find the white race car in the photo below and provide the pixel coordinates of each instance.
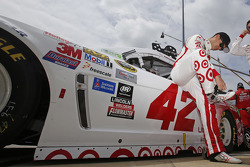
(73, 102)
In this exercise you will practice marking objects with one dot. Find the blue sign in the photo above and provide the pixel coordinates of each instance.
(104, 86)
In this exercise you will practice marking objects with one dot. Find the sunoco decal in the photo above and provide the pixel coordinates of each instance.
(124, 75)
(61, 60)
(126, 66)
(104, 85)
(122, 107)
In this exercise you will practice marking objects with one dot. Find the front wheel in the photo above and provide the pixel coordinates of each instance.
(20, 87)
(247, 138)
(227, 131)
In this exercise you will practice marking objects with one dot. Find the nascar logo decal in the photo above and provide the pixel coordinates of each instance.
(126, 66)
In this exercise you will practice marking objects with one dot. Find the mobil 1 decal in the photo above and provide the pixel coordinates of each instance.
(122, 104)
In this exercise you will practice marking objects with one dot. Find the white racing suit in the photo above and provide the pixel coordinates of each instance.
(194, 73)
(241, 50)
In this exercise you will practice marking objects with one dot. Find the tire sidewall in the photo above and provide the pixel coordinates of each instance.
(25, 88)
(227, 115)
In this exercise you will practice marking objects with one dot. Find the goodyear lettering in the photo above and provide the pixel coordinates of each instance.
(7, 49)
(69, 50)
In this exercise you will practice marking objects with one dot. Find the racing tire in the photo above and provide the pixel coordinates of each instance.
(247, 138)
(227, 131)
(20, 90)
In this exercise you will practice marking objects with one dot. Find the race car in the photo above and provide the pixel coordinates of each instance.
(73, 102)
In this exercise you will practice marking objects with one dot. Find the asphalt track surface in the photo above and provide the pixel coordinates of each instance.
(17, 157)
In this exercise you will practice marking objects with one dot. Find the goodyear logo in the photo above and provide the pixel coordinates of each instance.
(126, 66)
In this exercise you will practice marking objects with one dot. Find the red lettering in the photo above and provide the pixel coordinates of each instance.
(69, 50)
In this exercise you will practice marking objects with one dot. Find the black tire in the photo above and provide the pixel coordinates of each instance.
(228, 131)
(247, 138)
(24, 71)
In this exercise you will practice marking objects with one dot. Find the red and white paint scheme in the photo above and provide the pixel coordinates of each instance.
(73, 102)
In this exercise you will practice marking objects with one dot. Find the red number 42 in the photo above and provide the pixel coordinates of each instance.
(167, 114)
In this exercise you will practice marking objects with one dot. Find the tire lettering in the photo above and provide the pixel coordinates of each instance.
(6, 49)
(3, 126)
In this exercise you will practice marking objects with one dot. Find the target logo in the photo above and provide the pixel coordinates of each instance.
(89, 154)
(204, 64)
(196, 65)
(168, 151)
(209, 74)
(201, 78)
(157, 152)
(202, 53)
(145, 152)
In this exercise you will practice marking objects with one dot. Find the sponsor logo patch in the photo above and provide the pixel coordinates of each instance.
(125, 91)
(103, 85)
(124, 75)
(120, 113)
(61, 60)
(122, 107)
(126, 66)
(100, 72)
(97, 60)
(96, 54)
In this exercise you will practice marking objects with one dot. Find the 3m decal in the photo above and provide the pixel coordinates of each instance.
(96, 54)
(124, 75)
(97, 60)
(125, 91)
(126, 66)
(69, 50)
(104, 85)
(159, 111)
(10, 50)
(61, 60)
